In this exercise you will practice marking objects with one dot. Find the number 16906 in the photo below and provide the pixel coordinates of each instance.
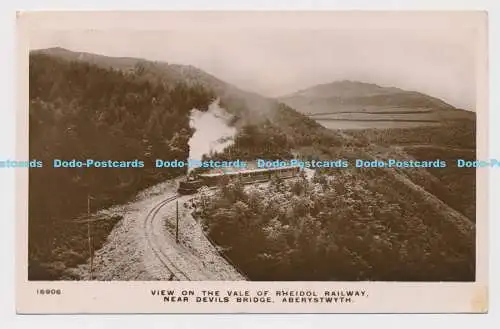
(48, 291)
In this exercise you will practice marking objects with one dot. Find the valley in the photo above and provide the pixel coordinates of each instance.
(345, 223)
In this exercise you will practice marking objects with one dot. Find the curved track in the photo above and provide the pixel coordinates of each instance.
(148, 229)
(183, 263)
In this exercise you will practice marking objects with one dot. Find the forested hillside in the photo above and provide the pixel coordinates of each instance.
(348, 227)
(80, 111)
(245, 105)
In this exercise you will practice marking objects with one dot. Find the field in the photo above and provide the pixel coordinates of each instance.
(388, 117)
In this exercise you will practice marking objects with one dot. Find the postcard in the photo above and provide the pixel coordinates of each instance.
(252, 162)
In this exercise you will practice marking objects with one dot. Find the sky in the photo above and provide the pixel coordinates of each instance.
(437, 61)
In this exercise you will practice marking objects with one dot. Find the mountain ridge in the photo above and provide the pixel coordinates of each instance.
(344, 92)
(352, 88)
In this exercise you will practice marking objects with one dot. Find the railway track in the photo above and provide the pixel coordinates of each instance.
(177, 273)
(178, 260)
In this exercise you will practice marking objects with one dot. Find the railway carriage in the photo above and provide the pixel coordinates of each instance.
(194, 182)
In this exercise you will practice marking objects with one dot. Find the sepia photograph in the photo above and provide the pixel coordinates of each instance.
(205, 147)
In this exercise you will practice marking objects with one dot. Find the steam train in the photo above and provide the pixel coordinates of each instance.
(195, 181)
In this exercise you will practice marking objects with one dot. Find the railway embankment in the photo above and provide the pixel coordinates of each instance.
(143, 246)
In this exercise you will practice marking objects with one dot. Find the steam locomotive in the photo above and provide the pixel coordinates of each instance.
(196, 181)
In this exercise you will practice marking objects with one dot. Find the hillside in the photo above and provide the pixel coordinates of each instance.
(80, 111)
(375, 225)
(168, 75)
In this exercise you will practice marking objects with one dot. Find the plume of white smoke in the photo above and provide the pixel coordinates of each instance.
(212, 131)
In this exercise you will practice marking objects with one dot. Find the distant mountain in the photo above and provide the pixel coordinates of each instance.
(346, 89)
(352, 100)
